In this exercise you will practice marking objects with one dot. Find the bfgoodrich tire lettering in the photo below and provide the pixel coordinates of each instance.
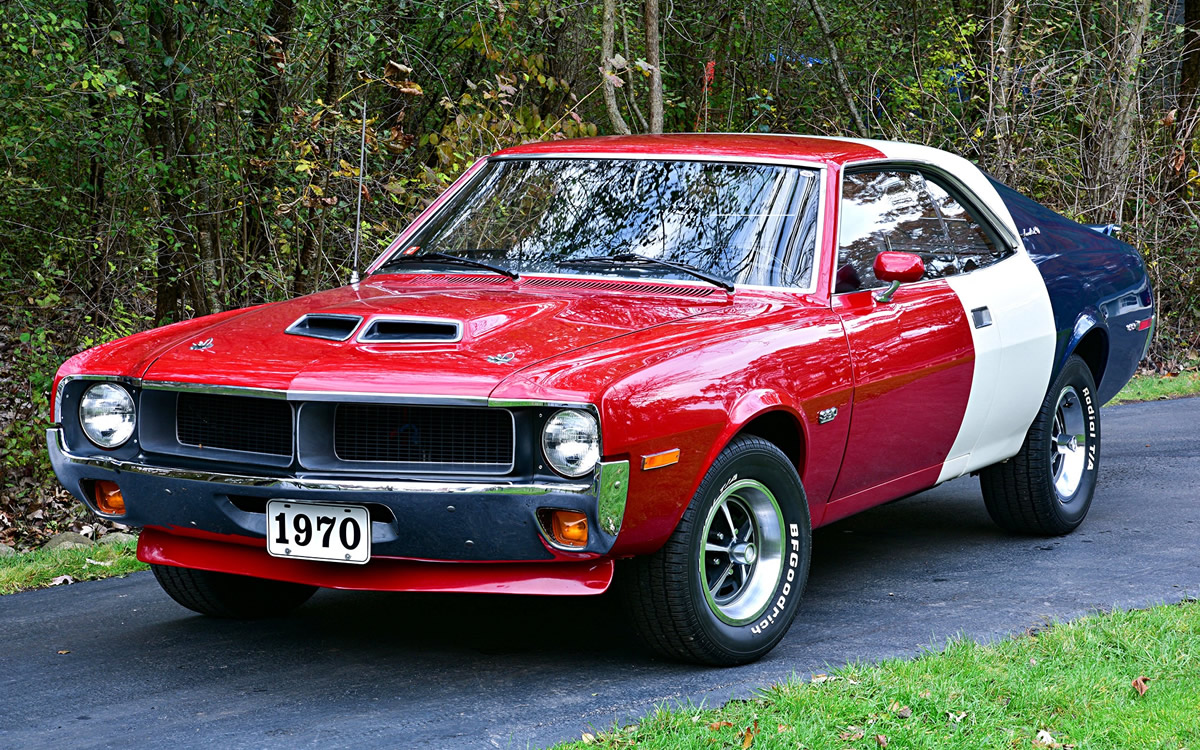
(727, 584)
(232, 596)
(1047, 488)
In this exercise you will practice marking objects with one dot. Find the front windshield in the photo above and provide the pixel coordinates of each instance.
(744, 223)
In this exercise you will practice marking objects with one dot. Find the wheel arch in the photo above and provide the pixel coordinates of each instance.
(1090, 340)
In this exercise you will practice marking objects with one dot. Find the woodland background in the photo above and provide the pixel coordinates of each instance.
(169, 159)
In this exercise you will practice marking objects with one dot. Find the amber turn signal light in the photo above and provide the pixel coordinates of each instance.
(108, 498)
(659, 460)
(569, 528)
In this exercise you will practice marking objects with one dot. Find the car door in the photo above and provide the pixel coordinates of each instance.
(913, 356)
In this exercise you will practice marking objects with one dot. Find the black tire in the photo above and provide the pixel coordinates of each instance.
(665, 593)
(1030, 492)
(232, 596)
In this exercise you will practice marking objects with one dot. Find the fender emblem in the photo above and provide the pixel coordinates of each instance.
(826, 415)
(501, 359)
(1131, 326)
(202, 346)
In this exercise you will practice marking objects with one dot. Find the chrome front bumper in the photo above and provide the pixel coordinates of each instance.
(432, 519)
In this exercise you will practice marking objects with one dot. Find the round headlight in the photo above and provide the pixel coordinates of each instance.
(571, 442)
(106, 415)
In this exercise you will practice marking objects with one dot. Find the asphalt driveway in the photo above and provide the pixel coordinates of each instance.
(389, 670)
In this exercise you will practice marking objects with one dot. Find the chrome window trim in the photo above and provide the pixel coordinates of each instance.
(988, 215)
(357, 318)
(820, 168)
(362, 331)
(919, 167)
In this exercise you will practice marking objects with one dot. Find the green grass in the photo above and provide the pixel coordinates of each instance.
(1073, 681)
(39, 568)
(1155, 387)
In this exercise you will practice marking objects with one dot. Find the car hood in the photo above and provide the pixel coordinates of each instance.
(505, 327)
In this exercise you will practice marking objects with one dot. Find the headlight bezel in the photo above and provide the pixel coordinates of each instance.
(592, 453)
(127, 407)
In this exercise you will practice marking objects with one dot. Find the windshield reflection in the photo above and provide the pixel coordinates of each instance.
(746, 223)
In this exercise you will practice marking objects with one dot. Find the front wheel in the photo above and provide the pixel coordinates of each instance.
(727, 584)
(1047, 488)
(227, 595)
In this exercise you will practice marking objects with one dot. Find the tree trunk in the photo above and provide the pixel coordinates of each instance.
(170, 134)
(309, 261)
(654, 58)
(271, 47)
(607, 33)
(1189, 96)
(839, 73)
(631, 91)
(1001, 95)
(1116, 131)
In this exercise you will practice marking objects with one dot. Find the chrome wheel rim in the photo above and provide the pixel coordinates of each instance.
(1068, 444)
(742, 559)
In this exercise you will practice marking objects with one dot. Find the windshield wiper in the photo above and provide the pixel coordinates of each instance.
(451, 260)
(636, 259)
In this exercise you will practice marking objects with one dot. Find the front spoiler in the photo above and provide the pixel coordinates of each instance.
(250, 558)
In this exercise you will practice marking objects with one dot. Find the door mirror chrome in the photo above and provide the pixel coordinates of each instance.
(897, 268)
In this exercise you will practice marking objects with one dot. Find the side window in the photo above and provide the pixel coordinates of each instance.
(880, 211)
(898, 210)
(971, 245)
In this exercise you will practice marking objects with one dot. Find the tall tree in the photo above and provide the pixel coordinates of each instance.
(654, 59)
(607, 69)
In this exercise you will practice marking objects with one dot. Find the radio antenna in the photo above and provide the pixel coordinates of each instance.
(362, 160)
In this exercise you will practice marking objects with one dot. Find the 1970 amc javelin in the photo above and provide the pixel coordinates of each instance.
(670, 357)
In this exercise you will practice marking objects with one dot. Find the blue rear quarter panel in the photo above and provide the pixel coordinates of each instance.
(1096, 283)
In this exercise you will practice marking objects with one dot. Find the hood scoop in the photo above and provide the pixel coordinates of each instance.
(385, 330)
(328, 326)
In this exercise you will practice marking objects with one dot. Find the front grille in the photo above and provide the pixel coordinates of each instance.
(423, 435)
(234, 423)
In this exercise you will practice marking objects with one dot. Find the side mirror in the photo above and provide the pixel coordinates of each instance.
(897, 268)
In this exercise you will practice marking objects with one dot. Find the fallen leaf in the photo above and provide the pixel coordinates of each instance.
(894, 706)
(90, 561)
(851, 734)
(925, 694)
(1045, 739)
(1140, 686)
(748, 737)
(60, 580)
(65, 651)
(588, 738)
(1032, 662)
(881, 740)
(956, 718)
(719, 725)
(819, 678)
(904, 712)
(784, 728)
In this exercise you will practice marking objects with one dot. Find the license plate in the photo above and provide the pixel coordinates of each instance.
(311, 531)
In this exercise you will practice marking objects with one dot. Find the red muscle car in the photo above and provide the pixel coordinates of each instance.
(668, 356)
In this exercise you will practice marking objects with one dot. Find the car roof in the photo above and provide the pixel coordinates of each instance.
(804, 148)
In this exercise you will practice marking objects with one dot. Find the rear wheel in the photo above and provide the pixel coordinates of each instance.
(232, 596)
(1047, 488)
(727, 584)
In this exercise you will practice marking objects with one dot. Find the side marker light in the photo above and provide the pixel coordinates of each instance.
(659, 460)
